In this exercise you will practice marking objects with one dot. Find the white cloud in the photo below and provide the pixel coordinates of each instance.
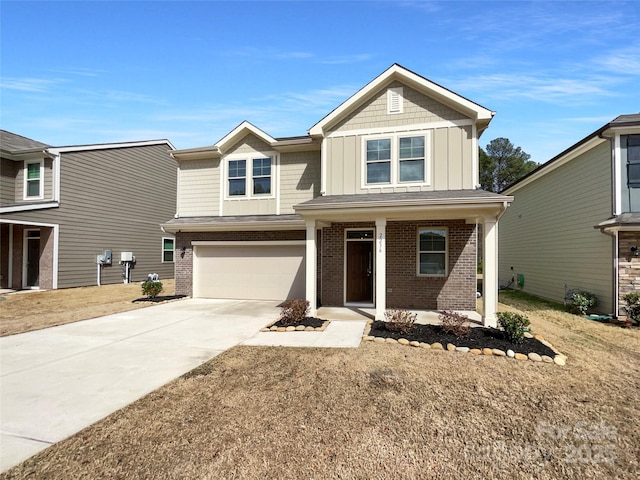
(38, 85)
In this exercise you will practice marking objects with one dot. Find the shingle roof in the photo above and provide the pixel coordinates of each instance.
(11, 142)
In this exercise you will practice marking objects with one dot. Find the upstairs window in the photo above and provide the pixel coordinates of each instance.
(237, 178)
(168, 249)
(432, 252)
(33, 179)
(261, 176)
(411, 159)
(633, 161)
(379, 161)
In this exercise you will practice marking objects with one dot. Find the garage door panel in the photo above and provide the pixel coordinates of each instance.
(251, 272)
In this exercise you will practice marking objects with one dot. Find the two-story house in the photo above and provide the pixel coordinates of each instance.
(376, 206)
(575, 220)
(63, 210)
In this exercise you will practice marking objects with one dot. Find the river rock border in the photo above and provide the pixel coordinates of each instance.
(295, 328)
(558, 359)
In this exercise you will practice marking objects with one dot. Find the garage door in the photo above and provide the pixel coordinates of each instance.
(256, 272)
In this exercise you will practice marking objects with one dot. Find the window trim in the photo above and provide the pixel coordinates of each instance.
(173, 250)
(395, 159)
(26, 180)
(446, 252)
(249, 158)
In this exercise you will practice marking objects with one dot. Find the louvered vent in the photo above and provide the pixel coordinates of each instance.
(394, 100)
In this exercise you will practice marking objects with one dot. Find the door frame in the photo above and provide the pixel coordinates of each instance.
(25, 257)
(372, 240)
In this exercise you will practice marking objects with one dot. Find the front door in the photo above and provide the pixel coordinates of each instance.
(359, 270)
(32, 259)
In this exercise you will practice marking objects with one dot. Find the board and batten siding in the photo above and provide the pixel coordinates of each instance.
(450, 163)
(199, 188)
(548, 234)
(299, 179)
(111, 199)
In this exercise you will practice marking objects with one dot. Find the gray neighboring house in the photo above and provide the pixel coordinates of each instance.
(575, 220)
(62, 207)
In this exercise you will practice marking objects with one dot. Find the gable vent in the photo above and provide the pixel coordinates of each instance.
(394, 100)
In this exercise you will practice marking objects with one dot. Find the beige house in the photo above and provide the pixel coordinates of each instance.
(377, 206)
(575, 220)
(68, 214)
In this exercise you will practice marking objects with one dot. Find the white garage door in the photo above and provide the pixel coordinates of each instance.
(256, 272)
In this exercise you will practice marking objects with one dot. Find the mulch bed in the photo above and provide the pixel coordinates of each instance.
(307, 322)
(479, 337)
(158, 299)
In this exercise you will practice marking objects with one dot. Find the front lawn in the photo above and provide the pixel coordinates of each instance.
(376, 412)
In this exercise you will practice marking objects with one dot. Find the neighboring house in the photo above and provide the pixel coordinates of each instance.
(62, 207)
(575, 220)
(376, 206)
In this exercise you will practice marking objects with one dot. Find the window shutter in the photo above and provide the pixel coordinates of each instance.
(394, 100)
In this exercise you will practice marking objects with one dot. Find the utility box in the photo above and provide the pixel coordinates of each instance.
(105, 258)
(126, 256)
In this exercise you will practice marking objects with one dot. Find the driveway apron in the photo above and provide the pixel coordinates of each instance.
(57, 381)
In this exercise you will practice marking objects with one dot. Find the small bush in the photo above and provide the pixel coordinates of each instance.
(632, 307)
(151, 289)
(455, 323)
(293, 311)
(400, 320)
(582, 302)
(514, 325)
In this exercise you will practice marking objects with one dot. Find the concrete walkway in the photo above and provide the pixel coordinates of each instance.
(57, 381)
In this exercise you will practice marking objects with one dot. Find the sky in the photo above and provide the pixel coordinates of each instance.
(74, 73)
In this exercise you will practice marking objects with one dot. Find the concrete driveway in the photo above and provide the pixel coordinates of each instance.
(57, 381)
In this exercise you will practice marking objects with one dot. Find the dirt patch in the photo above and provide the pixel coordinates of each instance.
(376, 412)
(33, 310)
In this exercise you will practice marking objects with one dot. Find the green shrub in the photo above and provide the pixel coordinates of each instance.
(632, 307)
(455, 323)
(400, 320)
(293, 311)
(582, 301)
(151, 289)
(513, 325)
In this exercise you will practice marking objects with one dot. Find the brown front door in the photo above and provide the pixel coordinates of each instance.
(360, 271)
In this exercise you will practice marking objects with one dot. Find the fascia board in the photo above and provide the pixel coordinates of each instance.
(196, 153)
(420, 203)
(26, 208)
(107, 146)
(232, 227)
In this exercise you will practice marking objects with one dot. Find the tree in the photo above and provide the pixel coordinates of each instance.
(502, 164)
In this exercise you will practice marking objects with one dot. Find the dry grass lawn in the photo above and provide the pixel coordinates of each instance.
(26, 311)
(378, 412)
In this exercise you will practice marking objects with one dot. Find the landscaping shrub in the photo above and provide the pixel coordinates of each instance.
(513, 325)
(400, 320)
(582, 301)
(632, 301)
(151, 289)
(293, 311)
(455, 323)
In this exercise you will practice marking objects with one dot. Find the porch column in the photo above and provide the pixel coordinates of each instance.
(310, 270)
(381, 267)
(490, 272)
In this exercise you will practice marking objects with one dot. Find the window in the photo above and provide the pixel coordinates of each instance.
(411, 159)
(394, 100)
(33, 179)
(633, 161)
(432, 251)
(261, 176)
(168, 248)
(395, 160)
(379, 161)
(237, 177)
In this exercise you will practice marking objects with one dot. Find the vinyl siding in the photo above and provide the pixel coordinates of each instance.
(199, 188)
(547, 233)
(299, 179)
(112, 199)
(450, 162)
(418, 108)
(8, 174)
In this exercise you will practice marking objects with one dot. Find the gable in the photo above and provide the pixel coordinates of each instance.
(417, 108)
(248, 144)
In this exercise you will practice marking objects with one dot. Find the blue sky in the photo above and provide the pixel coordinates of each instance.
(95, 72)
